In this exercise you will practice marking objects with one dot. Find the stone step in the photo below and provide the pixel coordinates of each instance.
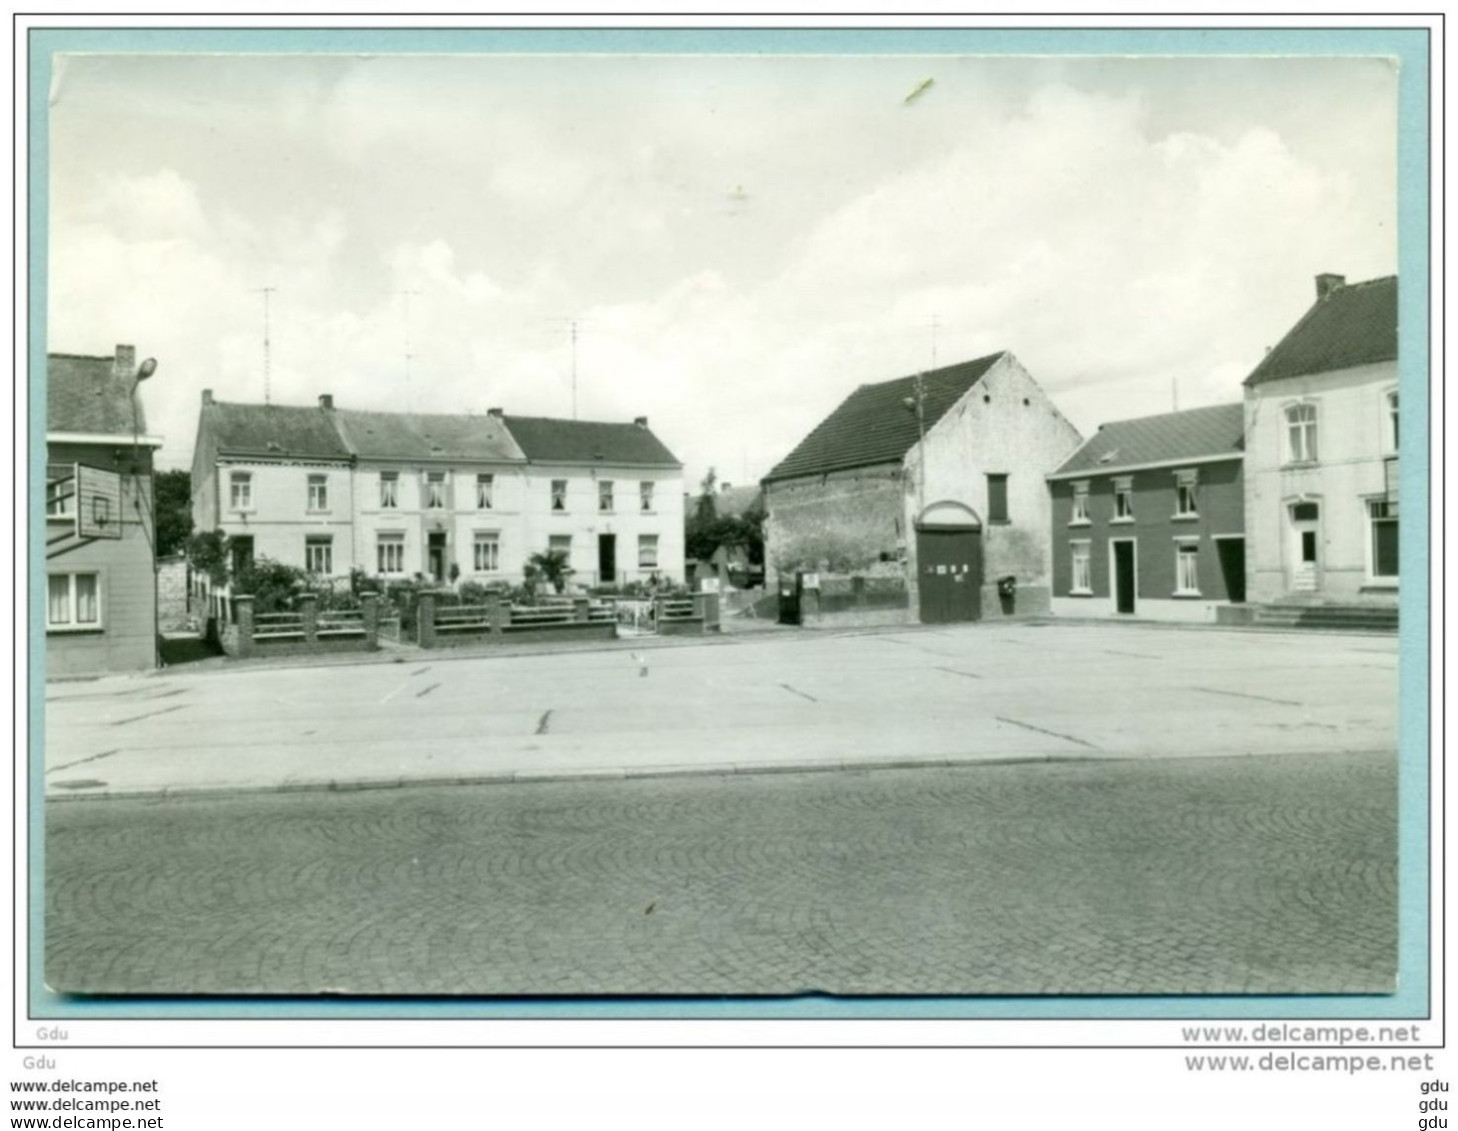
(1369, 618)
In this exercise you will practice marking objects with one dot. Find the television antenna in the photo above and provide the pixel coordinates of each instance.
(267, 292)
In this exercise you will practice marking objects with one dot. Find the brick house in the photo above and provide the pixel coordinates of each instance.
(101, 582)
(1149, 518)
(1322, 428)
(936, 477)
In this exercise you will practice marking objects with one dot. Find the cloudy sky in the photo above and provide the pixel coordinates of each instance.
(743, 240)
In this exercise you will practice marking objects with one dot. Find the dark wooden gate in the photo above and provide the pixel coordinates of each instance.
(949, 574)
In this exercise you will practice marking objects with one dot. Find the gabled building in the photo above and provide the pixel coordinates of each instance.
(938, 477)
(444, 497)
(1149, 518)
(1322, 430)
(101, 582)
(609, 495)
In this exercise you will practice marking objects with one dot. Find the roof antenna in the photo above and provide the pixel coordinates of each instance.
(267, 351)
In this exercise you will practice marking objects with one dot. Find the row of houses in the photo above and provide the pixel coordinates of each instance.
(968, 483)
(965, 485)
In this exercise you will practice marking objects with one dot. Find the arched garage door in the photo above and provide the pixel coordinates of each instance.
(949, 564)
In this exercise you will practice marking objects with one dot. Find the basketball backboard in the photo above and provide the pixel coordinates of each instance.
(98, 503)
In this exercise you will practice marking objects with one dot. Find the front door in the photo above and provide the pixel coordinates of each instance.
(607, 558)
(1232, 567)
(1124, 576)
(1305, 553)
(949, 575)
(240, 548)
(436, 549)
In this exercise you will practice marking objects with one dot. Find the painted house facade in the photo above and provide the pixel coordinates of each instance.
(1148, 518)
(1322, 428)
(101, 581)
(445, 497)
(937, 477)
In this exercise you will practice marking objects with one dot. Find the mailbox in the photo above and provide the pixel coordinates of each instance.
(1007, 586)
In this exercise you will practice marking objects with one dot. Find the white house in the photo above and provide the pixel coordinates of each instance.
(1322, 430)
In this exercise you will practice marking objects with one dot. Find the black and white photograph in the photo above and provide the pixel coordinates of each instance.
(609, 525)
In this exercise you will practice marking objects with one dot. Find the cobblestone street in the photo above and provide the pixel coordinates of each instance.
(1222, 875)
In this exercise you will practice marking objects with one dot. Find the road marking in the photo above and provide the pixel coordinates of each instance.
(542, 722)
(81, 761)
(426, 691)
(954, 671)
(1244, 695)
(801, 694)
(1137, 655)
(396, 691)
(168, 694)
(149, 714)
(1051, 733)
(420, 671)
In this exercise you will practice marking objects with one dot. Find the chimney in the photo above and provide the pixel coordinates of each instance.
(326, 400)
(1325, 284)
(207, 396)
(124, 368)
(496, 412)
(641, 421)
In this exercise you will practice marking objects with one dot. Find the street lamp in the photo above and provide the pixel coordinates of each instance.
(917, 404)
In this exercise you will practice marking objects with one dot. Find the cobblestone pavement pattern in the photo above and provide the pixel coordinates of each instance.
(1237, 875)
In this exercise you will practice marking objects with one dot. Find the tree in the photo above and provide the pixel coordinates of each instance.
(207, 551)
(551, 565)
(173, 493)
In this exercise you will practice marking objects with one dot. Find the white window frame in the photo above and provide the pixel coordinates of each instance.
(240, 490)
(318, 500)
(389, 490)
(647, 542)
(389, 544)
(645, 496)
(1187, 549)
(57, 505)
(1080, 504)
(485, 491)
(71, 624)
(561, 542)
(1187, 503)
(605, 496)
(1123, 499)
(490, 541)
(1303, 436)
(435, 490)
(313, 543)
(559, 496)
(1391, 421)
(1391, 517)
(1080, 548)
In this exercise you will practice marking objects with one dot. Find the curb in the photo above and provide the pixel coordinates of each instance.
(682, 770)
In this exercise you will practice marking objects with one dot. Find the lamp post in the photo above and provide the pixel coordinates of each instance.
(917, 404)
(145, 370)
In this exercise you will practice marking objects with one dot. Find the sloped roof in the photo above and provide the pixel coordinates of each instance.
(1218, 430)
(546, 440)
(400, 435)
(1352, 325)
(273, 430)
(83, 395)
(873, 424)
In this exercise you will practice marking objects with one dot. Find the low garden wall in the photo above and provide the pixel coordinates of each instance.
(302, 631)
(855, 601)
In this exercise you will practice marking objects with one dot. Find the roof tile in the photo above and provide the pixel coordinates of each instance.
(1353, 325)
(1195, 433)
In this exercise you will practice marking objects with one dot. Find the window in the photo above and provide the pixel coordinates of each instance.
(605, 495)
(1383, 515)
(435, 490)
(390, 553)
(1080, 504)
(1082, 581)
(647, 551)
(1301, 433)
(485, 492)
(1185, 506)
(1124, 499)
(73, 601)
(1392, 431)
(645, 496)
(559, 494)
(488, 552)
(561, 543)
(997, 498)
(389, 490)
(240, 490)
(318, 492)
(1187, 568)
(60, 490)
(319, 553)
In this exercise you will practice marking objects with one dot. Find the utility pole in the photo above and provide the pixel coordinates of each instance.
(266, 292)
